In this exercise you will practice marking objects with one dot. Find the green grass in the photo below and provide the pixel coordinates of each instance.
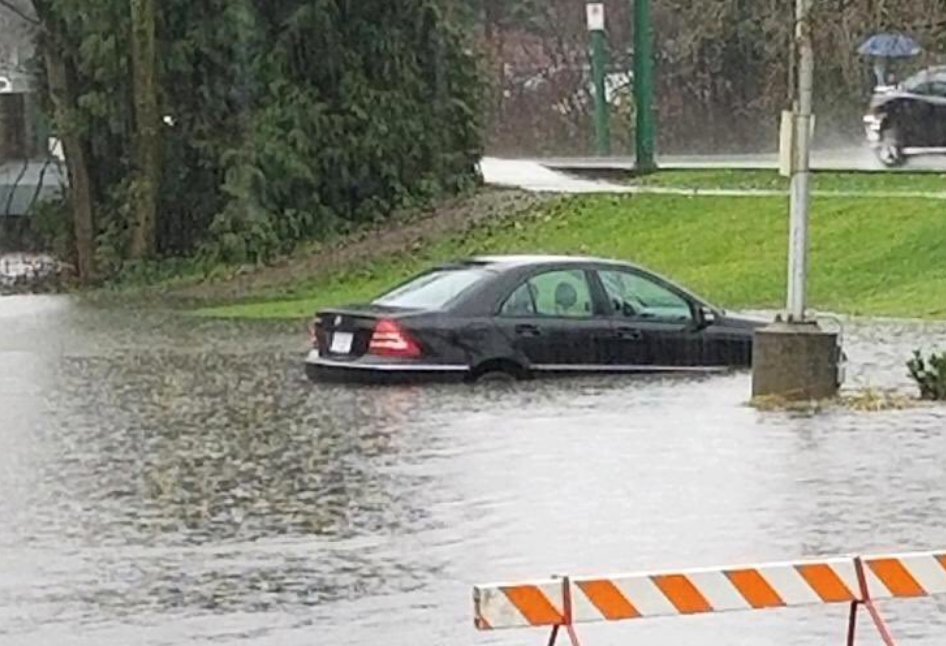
(771, 180)
(869, 256)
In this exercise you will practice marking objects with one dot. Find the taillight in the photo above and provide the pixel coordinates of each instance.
(313, 334)
(390, 340)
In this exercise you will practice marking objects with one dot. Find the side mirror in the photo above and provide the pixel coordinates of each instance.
(706, 316)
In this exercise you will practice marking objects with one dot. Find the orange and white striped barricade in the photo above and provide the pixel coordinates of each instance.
(563, 602)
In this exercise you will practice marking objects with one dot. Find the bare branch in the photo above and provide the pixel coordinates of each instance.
(12, 8)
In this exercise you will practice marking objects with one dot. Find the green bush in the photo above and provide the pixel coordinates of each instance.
(930, 375)
(51, 227)
(287, 120)
(370, 105)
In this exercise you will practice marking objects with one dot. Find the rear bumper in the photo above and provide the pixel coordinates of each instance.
(371, 370)
(873, 127)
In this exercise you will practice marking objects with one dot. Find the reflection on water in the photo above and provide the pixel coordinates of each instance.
(171, 481)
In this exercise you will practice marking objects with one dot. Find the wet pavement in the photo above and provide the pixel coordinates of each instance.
(848, 158)
(565, 176)
(535, 177)
(171, 481)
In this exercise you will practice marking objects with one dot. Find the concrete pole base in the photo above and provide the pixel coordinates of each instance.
(795, 362)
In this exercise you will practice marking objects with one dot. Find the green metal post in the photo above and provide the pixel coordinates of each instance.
(599, 70)
(599, 65)
(646, 130)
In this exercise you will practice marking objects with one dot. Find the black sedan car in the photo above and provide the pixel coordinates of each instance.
(909, 119)
(523, 316)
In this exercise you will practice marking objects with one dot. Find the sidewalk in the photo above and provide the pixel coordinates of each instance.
(543, 177)
(841, 159)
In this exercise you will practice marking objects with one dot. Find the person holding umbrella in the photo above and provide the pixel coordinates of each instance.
(884, 47)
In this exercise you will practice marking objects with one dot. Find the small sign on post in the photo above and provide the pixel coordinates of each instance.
(786, 148)
(599, 72)
(788, 138)
(595, 16)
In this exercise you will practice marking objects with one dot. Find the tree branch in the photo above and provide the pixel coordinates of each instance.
(9, 6)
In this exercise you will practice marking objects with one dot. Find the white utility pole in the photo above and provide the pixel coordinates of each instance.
(801, 164)
(796, 360)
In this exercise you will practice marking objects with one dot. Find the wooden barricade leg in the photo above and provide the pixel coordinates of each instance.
(868, 603)
(852, 623)
(567, 616)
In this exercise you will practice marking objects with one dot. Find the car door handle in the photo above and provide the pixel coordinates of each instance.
(630, 334)
(528, 330)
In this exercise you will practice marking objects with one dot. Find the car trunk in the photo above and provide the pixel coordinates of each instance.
(345, 333)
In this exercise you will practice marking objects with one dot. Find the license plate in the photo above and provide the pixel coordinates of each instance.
(341, 343)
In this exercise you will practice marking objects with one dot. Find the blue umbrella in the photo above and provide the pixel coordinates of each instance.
(886, 46)
(890, 46)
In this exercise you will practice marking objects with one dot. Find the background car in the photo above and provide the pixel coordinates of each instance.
(524, 316)
(909, 119)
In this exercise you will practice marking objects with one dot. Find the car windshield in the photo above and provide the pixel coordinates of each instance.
(433, 290)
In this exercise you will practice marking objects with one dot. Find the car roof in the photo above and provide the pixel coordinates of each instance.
(540, 259)
(506, 262)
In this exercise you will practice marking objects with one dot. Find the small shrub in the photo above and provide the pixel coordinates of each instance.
(51, 227)
(930, 375)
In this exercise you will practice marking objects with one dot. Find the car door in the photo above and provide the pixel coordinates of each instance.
(921, 116)
(914, 118)
(553, 320)
(654, 326)
(937, 102)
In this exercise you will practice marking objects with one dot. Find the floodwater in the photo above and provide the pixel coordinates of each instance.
(166, 481)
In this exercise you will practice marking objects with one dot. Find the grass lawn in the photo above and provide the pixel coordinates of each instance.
(901, 182)
(876, 256)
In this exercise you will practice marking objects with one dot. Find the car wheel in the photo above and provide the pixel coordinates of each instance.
(890, 149)
(498, 371)
(495, 377)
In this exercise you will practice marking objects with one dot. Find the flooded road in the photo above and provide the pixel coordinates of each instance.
(170, 481)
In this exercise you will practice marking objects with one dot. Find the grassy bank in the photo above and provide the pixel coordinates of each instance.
(769, 180)
(877, 256)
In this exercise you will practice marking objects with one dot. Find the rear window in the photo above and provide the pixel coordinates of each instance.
(916, 81)
(927, 82)
(433, 290)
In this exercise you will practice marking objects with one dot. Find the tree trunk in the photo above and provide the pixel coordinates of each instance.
(493, 33)
(62, 92)
(148, 129)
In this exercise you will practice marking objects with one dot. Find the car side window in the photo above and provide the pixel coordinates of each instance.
(938, 88)
(558, 294)
(562, 294)
(520, 303)
(637, 297)
(932, 87)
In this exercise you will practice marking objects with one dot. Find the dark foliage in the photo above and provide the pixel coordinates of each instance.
(929, 375)
(722, 69)
(284, 119)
